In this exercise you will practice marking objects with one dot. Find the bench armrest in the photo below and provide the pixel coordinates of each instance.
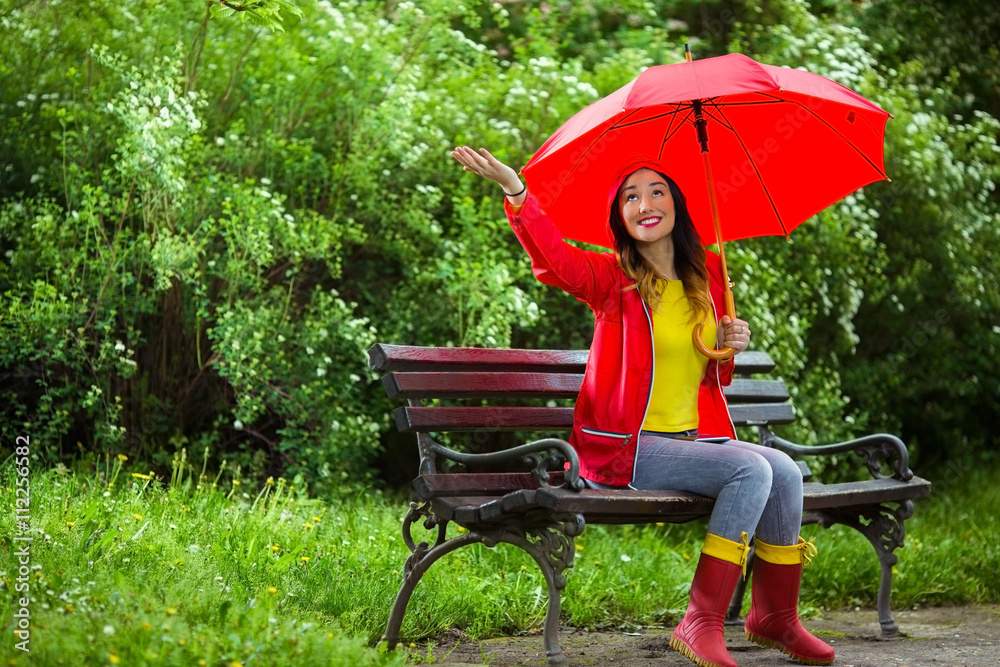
(556, 451)
(875, 448)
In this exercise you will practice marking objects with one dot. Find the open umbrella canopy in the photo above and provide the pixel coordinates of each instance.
(783, 143)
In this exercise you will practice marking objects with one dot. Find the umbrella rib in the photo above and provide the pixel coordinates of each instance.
(619, 125)
(596, 139)
(756, 171)
(720, 120)
(839, 134)
(746, 104)
(670, 133)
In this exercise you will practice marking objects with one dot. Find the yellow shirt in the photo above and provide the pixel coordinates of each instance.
(677, 367)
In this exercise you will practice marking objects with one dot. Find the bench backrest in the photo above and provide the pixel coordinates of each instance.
(421, 373)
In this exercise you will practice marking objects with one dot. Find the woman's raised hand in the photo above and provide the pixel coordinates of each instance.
(482, 163)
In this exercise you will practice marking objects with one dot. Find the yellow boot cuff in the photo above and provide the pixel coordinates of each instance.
(803, 552)
(727, 550)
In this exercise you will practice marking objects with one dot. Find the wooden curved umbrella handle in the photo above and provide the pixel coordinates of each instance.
(699, 345)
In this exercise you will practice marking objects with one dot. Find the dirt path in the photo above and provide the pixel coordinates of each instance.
(940, 636)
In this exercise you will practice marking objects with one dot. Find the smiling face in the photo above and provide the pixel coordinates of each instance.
(646, 207)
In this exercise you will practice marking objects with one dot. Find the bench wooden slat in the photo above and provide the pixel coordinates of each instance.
(756, 391)
(383, 358)
(482, 385)
(477, 484)
(624, 506)
(466, 419)
(470, 510)
(405, 385)
(486, 419)
(762, 413)
(868, 492)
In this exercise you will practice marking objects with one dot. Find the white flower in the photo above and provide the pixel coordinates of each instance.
(238, 425)
(120, 346)
(320, 372)
(109, 629)
(625, 558)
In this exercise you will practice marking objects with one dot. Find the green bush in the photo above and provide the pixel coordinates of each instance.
(207, 216)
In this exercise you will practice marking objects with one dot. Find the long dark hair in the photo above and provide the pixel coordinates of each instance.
(689, 256)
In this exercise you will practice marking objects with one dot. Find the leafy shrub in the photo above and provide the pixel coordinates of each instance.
(205, 222)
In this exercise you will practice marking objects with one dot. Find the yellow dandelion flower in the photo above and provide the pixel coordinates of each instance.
(139, 475)
(329, 635)
(308, 525)
(579, 548)
(236, 482)
(138, 516)
(114, 659)
(182, 641)
(274, 548)
(202, 663)
(269, 482)
(315, 519)
(272, 590)
(236, 663)
(146, 626)
(304, 559)
(171, 611)
(122, 458)
(461, 529)
(70, 524)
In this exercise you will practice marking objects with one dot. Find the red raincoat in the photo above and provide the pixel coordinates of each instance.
(614, 398)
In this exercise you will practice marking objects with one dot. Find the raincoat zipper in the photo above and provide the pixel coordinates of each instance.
(649, 397)
(624, 437)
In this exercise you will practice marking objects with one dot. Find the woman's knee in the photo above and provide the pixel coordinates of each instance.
(752, 466)
(785, 472)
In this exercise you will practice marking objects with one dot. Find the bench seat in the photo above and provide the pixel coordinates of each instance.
(466, 502)
(474, 392)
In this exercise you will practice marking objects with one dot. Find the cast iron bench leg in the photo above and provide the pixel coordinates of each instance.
(885, 528)
(548, 538)
(416, 566)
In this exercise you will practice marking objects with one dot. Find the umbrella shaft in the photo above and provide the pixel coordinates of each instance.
(730, 305)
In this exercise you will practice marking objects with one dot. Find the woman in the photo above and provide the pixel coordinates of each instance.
(651, 413)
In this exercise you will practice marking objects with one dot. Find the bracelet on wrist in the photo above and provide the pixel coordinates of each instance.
(516, 194)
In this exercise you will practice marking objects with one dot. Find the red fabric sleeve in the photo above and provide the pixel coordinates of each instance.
(583, 273)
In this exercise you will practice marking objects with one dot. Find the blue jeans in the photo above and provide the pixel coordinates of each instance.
(757, 489)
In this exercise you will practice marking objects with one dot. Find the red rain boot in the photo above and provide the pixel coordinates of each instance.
(773, 620)
(699, 635)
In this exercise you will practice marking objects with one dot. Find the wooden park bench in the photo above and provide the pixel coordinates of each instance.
(544, 510)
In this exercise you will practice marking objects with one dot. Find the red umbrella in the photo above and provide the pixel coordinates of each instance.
(785, 144)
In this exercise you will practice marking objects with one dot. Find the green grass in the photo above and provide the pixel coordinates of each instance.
(128, 571)
(184, 573)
